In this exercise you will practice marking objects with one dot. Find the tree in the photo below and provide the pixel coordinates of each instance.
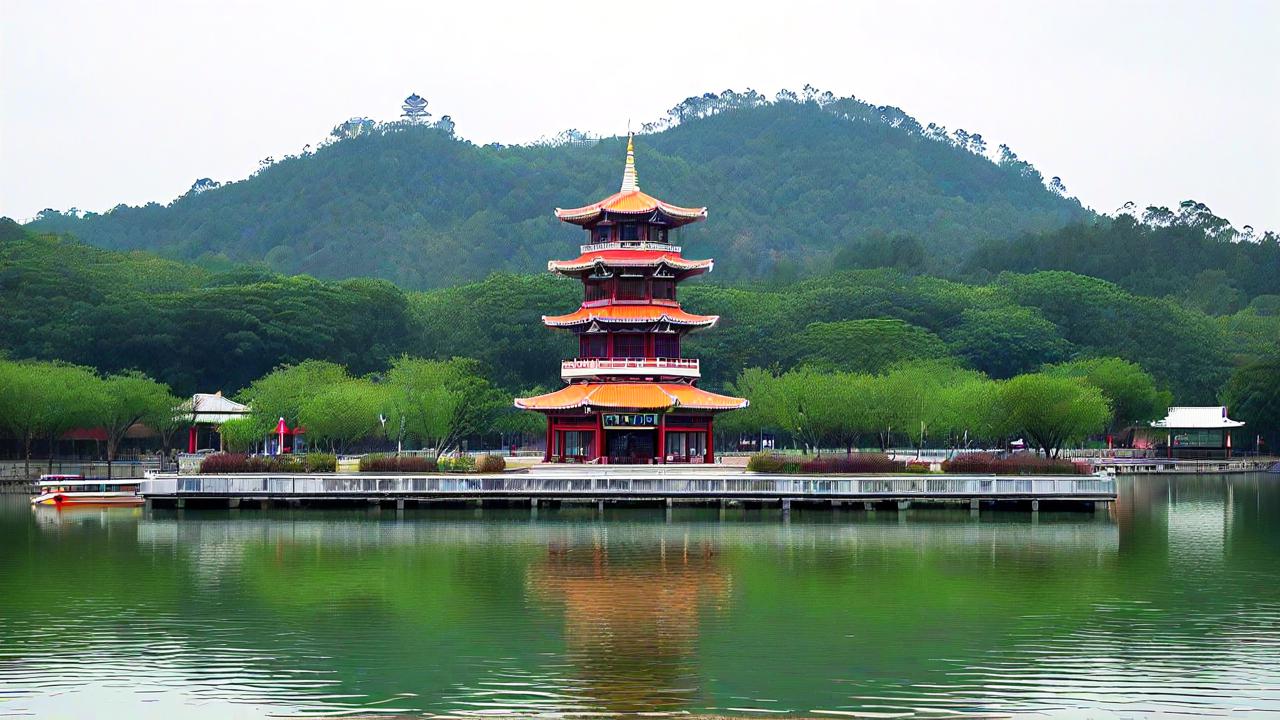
(443, 401)
(1130, 390)
(1253, 395)
(1052, 411)
(864, 345)
(130, 398)
(1006, 341)
(342, 414)
(243, 434)
(284, 391)
(42, 400)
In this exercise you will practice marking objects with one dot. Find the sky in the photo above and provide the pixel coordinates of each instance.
(130, 102)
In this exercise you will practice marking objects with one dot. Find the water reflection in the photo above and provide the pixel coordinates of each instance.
(631, 613)
(1170, 604)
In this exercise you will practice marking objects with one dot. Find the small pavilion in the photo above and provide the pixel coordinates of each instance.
(1197, 432)
(208, 412)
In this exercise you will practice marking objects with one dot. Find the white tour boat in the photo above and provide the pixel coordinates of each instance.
(63, 490)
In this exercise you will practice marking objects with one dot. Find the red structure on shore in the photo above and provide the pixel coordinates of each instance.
(630, 397)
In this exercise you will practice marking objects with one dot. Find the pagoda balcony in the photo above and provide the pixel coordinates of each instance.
(596, 367)
(631, 245)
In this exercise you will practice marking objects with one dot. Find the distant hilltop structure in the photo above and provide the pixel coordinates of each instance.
(415, 108)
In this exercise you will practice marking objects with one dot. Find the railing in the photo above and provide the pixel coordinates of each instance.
(675, 483)
(597, 247)
(686, 367)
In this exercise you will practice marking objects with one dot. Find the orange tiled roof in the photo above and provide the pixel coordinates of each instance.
(630, 314)
(628, 258)
(635, 202)
(631, 200)
(631, 396)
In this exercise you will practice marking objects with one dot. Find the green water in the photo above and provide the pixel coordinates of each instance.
(1169, 604)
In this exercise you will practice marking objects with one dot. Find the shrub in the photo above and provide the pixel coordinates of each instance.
(992, 464)
(490, 464)
(765, 462)
(858, 463)
(224, 463)
(320, 462)
(461, 463)
(402, 463)
(917, 467)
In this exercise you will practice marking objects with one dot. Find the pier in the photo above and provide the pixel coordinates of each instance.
(635, 484)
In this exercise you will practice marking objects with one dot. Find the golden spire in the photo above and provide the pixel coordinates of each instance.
(630, 182)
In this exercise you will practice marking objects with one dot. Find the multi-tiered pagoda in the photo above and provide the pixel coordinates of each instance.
(630, 396)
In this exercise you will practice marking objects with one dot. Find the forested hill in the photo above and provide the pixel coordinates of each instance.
(789, 182)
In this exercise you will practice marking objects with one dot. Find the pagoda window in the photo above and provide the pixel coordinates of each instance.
(657, 234)
(664, 290)
(628, 345)
(595, 291)
(593, 346)
(631, 288)
(666, 346)
(630, 232)
(602, 233)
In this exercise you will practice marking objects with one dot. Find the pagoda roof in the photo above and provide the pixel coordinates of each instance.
(627, 258)
(632, 201)
(631, 396)
(630, 314)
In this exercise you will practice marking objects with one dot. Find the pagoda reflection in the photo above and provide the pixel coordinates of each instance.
(632, 616)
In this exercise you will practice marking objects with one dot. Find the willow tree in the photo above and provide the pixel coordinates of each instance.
(43, 400)
(443, 401)
(1129, 388)
(1053, 411)
(342, 414)
(130, 398)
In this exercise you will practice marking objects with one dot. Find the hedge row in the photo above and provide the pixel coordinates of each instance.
(224, 463)
(989, 464)
(976, 463)
(387, 463)
(859, 463)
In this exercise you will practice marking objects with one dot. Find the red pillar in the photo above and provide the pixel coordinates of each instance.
(662, 438)
(711, 441)
(191, 439)
(600, 437)
(546, 455)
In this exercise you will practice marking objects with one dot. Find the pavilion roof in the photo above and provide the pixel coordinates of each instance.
(630, 314)
(631, 200)
(1197, 418)
(628, 258)
(631, 396)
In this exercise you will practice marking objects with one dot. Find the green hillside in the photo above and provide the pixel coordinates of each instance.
(788, 183)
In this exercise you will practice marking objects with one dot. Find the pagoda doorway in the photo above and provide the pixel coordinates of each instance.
(631, 447)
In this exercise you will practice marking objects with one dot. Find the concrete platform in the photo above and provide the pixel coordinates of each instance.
(645, 483)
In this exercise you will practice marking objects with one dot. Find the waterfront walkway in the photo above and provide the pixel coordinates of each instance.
(636, 483)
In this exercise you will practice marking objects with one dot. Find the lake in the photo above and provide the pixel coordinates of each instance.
(1168, 604)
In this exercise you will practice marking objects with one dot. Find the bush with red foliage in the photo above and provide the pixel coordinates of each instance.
(398, 463)
(227, 463)
(855, 463)
(991, 464)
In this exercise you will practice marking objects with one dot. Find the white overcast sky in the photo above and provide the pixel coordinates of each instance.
(1155, 102)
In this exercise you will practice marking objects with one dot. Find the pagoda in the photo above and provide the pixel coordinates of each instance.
(629, 396)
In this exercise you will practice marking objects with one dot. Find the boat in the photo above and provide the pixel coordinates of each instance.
(65, 490)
